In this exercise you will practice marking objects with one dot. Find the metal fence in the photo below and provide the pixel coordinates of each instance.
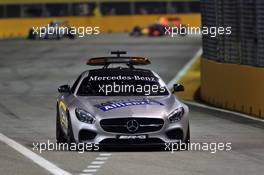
(246, 43)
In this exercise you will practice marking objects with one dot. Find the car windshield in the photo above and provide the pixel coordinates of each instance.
(122, 82)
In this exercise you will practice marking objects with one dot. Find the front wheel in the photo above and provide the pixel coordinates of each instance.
(137, 31)
(60, 137)
(31, 34)
(187, 140)
(70, 136)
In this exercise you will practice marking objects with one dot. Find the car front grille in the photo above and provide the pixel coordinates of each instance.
(121, 125)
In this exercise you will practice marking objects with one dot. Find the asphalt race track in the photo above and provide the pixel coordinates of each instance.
(31, 71)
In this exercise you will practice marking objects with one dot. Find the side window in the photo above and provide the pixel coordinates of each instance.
(76, 83)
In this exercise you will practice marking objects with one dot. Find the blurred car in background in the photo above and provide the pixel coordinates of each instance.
(158, 29)
(54, 30)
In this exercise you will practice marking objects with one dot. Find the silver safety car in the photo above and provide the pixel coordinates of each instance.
(121, 105)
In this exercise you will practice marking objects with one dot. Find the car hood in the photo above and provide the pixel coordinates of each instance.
(111, 107)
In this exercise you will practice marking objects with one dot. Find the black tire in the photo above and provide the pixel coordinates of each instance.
(70, 36)
(187, 139)
(136, 31)
(70, 136)
(60, 136)
(31, 34)
(57, 37)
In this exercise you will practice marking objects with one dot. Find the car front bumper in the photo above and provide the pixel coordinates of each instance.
(94, 133)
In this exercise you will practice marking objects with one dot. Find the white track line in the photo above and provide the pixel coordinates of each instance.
(52, 168)
(98, 162)
(89, 170)
(105, 154)
(101, 158)
(95, 165)
(185, 68)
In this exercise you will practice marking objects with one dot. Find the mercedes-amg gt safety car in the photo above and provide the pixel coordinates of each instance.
(121, 105)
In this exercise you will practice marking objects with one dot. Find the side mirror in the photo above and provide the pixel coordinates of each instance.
(64, 89)
(177, 88)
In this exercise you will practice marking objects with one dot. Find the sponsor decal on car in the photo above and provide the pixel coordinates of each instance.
(119, 104)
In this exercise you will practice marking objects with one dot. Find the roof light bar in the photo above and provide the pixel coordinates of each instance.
(102, 61)
(129, 61)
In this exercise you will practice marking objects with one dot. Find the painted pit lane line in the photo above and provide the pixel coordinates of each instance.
(96, 164)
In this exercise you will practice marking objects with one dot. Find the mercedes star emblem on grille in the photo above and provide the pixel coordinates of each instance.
(132, 125)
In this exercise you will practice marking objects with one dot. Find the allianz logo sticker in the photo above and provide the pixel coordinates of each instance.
(119, 104)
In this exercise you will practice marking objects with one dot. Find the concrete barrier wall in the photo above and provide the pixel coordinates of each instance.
(19, 27)
(232, 86)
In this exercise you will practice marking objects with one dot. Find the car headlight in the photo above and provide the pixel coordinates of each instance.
(84, 116)
(176, 115)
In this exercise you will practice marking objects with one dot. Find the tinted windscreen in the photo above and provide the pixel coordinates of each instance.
(121, 82)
